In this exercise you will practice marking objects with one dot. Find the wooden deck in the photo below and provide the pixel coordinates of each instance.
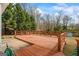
(35, 50)
(32, 50)
(41, 45)
(59, 54)
(44, 41)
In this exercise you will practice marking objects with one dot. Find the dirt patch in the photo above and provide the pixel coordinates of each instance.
(13, 43)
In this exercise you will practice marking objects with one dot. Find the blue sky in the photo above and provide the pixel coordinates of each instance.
(55, 8)
(49, 8)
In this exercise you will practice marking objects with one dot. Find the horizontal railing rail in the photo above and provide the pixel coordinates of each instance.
(36, 32)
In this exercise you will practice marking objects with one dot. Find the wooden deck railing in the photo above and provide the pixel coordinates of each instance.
(36, 32)
(61, 41)
(61, 36)
(77, 40)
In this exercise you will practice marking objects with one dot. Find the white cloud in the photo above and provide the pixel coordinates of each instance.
(78, 13)
(68, 10)
(57, 8)
(39, 11)
(73, 11)
(56, 14)
(65, 9)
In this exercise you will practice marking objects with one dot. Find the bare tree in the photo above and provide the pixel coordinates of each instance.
(66, 20)
(47, 24)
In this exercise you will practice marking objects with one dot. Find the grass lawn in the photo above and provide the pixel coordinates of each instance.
(70, 45)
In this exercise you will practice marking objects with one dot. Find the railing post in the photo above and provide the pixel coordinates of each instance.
(15, 33)
(59, 43)
(21, 32)
(77, 40)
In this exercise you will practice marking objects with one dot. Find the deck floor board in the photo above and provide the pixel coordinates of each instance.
(41, 45)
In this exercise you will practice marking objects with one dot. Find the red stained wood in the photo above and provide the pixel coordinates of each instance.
(42, 45)
(44, 41)
(59, 54)
(77, 40)
(32, 50)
